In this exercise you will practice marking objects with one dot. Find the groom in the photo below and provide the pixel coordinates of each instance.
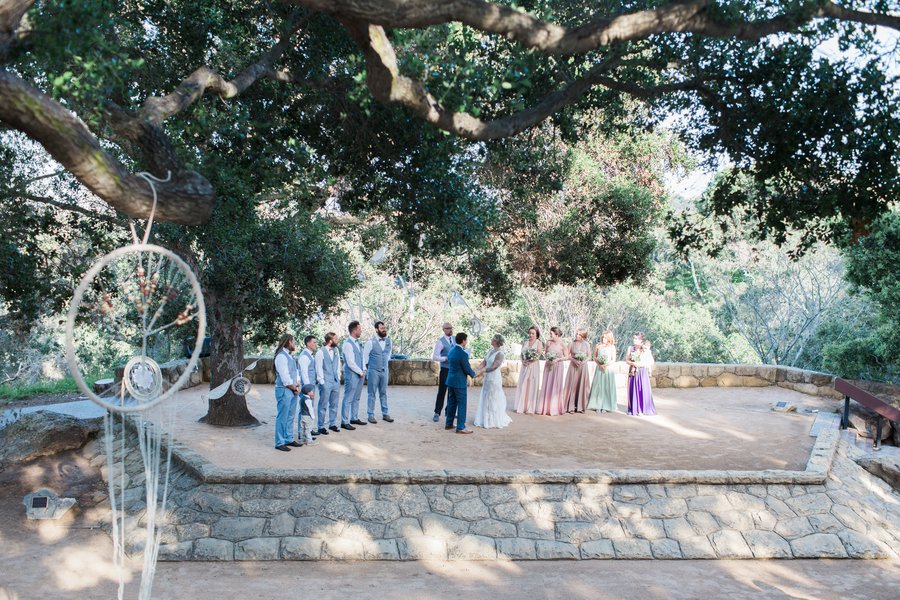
(457, 369)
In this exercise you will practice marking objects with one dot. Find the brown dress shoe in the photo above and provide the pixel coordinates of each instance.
(464, 431)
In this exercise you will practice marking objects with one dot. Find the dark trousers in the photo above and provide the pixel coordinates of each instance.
(442, 391)
(456, 407)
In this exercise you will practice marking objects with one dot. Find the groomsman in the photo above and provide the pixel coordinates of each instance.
(328, 373)
(441, 352)
(306, 364)
(287, 388)
(354, 373)
(376, 355)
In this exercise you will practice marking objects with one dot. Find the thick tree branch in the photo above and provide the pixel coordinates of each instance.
(205, 80)
(387, 85)
(188, 198)
(602, 30)
(11, 13)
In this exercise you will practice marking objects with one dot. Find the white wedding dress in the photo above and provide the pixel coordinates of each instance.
(491, 412)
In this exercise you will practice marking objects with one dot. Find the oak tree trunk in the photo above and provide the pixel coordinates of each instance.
(226, 360)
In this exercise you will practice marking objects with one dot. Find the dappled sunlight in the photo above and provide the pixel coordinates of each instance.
(677, 428)
(51, 531)
(81, 568)
(781, 576)
(6, 594)
(697, 428)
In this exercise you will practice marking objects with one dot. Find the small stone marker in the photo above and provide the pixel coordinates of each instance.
(45, 504)
(784, 407)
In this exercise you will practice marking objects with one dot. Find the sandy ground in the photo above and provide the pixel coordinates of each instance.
(700, 428)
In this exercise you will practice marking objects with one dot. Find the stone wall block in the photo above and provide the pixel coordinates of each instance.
(422, 548)
(730, 544)
(257, 549)
(550, 550)
(238, 528)
(665, 549)
(767, 544)
(213, 549)
(493, 528)
(381, 550)
(403, 527)
(344, 548)
(516, 549)
(632, 549)
(443, 527)
(818, 545)
(597, 549)
(472, 547)
(379, 511)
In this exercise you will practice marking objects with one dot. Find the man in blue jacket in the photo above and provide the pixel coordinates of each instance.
(457, 370)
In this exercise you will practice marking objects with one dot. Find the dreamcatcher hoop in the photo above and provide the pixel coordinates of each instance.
(149, 398)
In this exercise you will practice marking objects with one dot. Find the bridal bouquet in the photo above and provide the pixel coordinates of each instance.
(580, 356)
(636, 357)
(602, 360)
(530, 355)
(550, 356)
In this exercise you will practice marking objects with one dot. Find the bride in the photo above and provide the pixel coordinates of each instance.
(492, 403)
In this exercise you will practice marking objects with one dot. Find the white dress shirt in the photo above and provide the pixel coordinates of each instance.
(281, 366)
(350, 357)
(368, 349)
(303, 365)
(320, 362)
(439, 345)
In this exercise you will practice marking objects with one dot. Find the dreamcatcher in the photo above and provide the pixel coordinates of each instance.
(138, 298)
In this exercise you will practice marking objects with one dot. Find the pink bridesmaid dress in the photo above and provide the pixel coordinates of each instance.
(528, 390)
(552, 397)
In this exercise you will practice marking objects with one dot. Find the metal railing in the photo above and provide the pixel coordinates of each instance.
(881, 408)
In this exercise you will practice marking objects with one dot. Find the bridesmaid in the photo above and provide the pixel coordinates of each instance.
(603, 390)
(578, 379)
(555, 354)
(639, 359)
(528, 390)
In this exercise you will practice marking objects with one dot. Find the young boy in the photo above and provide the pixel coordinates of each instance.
(306, 413)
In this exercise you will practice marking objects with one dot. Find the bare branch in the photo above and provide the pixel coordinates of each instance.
(388, 85)
(600, 30)
(205, 80)
(188, 198)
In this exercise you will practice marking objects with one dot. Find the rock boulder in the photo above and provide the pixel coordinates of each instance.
(44, 433)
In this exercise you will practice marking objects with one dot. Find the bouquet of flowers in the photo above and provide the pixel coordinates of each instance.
(601, 359)
(530, 355)
(550, 356)
(636, 356)
(580, 356)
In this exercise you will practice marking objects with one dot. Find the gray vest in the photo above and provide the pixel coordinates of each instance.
(357, 354)
(330, 367)
(378, 358)
(445, 350)
(311, 369)
(292, 369)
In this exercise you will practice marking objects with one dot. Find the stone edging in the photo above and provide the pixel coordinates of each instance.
(816, 472)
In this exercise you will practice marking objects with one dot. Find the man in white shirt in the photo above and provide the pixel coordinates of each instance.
(287, 388)
(354, 373)
(441, 351)
(306, 363)
(328, 375)
(376, 356)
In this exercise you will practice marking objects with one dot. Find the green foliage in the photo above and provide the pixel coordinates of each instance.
(59, 386)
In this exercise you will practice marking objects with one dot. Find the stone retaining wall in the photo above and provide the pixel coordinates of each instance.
(833, 509)
(664, 375)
